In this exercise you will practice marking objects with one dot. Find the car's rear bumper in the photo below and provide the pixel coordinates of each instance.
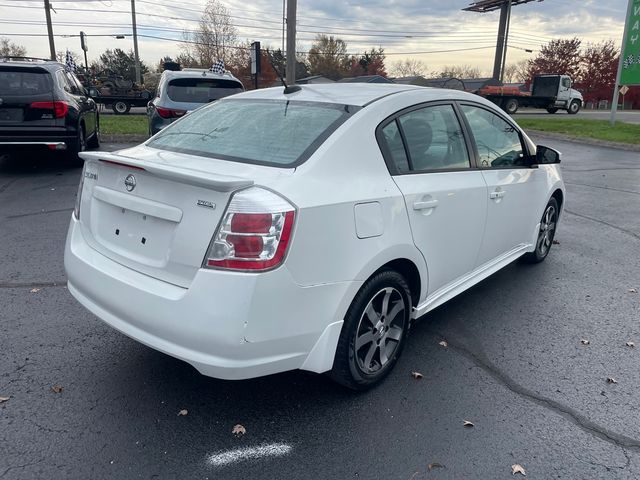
(227, 325)
(52, 142)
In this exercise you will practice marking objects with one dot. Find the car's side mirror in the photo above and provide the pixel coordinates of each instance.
(547, 156)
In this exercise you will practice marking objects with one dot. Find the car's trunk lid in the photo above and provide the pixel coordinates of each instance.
(156, 211)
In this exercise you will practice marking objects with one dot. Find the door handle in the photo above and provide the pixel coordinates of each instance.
(496, 195)
(425, 205)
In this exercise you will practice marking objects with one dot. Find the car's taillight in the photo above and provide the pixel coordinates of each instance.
(76, 210)
(170, 113)
(60, 109)
(254, 233)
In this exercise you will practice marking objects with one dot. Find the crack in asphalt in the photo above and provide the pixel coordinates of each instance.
(575, 417)
(623, 230)
(8, 184)
(603, 187)
(62, 283)
(43, 212)
(19, 467)
(599, 169)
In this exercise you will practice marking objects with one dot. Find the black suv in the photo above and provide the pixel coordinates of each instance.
(44, 106)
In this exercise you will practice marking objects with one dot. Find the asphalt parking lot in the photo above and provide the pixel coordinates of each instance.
(515, 365)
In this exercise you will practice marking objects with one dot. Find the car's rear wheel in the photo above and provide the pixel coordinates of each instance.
(546, 234)
(120, 108)
(80, 145)
(94, 141)
(374, 331)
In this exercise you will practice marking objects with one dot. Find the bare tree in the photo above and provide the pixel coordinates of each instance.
(215, 38)
(409, 68)
(328, 57)
(10, 49)
(460, 71)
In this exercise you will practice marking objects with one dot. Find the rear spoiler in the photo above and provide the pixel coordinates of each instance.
(200, 178)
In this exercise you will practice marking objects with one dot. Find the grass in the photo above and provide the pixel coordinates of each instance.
(580, 128)
(124, 124)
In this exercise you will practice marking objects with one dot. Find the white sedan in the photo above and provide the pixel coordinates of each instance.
(273, 231)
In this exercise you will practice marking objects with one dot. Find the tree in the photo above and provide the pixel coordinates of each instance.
(598, 71)
(460, 71)
(560, 57)
(369, 63)
(328, 57)
(279, 60)
(409, 68)
(121, 63)
(10, 49)
(215, 38)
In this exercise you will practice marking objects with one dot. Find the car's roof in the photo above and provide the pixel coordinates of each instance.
(358, 94)
(37, 63)
(171, 74)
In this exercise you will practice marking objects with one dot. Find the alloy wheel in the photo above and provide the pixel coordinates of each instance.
(547, 230)
(379, 331)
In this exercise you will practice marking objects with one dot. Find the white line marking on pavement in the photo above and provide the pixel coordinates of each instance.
(249, 453)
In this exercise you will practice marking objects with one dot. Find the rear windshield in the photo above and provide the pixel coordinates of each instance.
(201, 90)
(19, 82)
(266, 132)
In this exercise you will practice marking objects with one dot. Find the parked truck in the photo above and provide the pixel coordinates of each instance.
(551, 92)
(116, 92)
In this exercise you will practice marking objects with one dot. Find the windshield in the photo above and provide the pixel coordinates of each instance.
(267, 132)
(201, 90)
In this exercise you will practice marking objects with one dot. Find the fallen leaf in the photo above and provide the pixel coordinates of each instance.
(4, 399)
(556, 242)
(183, 413)
(443, 343)
(57, 389)
(631, 344)
(516, 468)
(585, 341)
(633, 290)
(435, 465)
(417, 375)
(34, 290)
(468, 424)
(611, 380)
(239, 430)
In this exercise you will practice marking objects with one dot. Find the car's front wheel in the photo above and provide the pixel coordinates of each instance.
(546, 234)
(374, 331)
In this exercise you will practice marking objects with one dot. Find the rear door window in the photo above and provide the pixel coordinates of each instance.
(265, 132)
(201, 90)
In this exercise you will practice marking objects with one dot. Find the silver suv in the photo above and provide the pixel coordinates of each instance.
(185, 90)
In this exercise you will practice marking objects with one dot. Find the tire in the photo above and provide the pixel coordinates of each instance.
(360, 361)
(544, 242)
(94, 142)
(574, 107)
(511, 106)
(552, 110)
(120, 107)
(80, 145)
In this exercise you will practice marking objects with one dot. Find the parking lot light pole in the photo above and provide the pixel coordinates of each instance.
(291, 42)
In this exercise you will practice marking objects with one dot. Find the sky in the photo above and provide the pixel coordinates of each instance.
(436, 32)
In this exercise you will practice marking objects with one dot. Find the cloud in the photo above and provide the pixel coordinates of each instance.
(399, 26)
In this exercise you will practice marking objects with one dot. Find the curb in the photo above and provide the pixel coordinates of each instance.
(585, 140)
(123, 138)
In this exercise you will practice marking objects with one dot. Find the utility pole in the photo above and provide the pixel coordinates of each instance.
(291, 42)
(135, 41)
(47, 12)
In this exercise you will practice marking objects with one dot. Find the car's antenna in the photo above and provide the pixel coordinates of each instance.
(287, 89)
